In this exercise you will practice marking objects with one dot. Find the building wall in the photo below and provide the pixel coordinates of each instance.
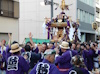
(32, 18)
(97, 12)
(9, 22)
(9, 25)
(98, 15)
(86, 20)
(86, 16)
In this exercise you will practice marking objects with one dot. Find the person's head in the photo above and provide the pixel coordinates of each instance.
(73, 46)
(50, 55)
(92, 45)
(78, 45)
(82, 46)
(3, 42)
(96, 44)
(70, 45)
(44, 46)
(64, 46)
(51, 44)
(15, 49)
(29, 43)
(14, 42)
(27, 48)
(77, 60)
(88, 46)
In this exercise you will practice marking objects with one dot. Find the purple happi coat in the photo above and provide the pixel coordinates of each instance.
(45, 67)
(22, 50)
(88, 56)
(7, 52)
(16, 64)
(36, 50)
(64, 61)
(80, 71)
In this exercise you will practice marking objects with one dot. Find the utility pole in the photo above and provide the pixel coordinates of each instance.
(51, 16)
(51, 4)
(51, 9)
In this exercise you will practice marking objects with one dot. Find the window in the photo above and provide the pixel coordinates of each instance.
(84, 1)
(16, 9)
(87, 17)
(78, 15)
(4, 7)
(92, 18)
(9, 8)
(92, 3)
(83, 16)
(88, 2)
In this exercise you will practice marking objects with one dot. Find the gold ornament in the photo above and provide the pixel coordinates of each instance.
(63, 5)
(94, 25)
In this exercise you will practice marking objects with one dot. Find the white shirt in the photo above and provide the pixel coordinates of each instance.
(2, 49)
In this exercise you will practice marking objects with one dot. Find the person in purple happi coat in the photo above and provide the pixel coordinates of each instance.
(64, 61)
(16, 64)
(88, 56)
(31, 57)
(78, 67)
(47, 65)
(3, 56)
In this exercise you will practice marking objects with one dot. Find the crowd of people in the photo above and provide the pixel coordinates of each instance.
(49, 58)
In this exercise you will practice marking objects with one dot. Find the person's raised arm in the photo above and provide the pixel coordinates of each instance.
(10, 38)
(30, 37)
